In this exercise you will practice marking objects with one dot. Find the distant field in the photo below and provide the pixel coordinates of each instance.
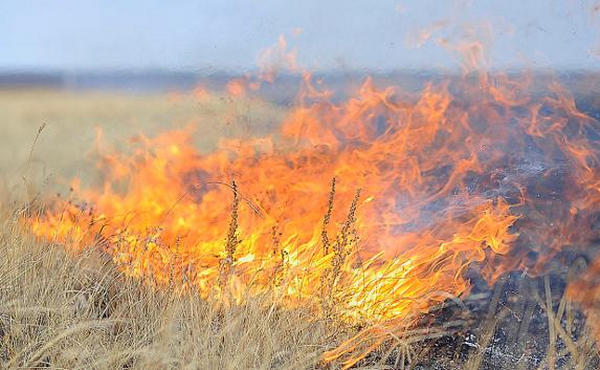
(67, 144)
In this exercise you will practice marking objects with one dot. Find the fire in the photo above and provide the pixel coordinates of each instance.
(369, 210)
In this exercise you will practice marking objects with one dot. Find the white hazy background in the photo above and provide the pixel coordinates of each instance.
(185, 35)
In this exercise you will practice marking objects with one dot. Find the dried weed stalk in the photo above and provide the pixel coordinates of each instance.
(279, 270)
(345, 242)
(327, 219)
(232, 240)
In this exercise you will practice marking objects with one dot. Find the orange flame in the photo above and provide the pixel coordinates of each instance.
(447, 179)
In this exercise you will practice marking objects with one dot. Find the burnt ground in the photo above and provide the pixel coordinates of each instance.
(505, 326)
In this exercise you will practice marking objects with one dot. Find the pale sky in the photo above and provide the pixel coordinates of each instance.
(81, 35)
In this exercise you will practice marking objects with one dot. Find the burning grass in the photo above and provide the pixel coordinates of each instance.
(355, 224)
(80, 312)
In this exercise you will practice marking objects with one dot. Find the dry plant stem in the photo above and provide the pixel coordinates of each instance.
(278, 272)
(28, 185)
(35, 140)
(232, 240)
(551, 329)
(327, 219)
(490, 323)
(342, 247)
(344, 241)
(578, 350)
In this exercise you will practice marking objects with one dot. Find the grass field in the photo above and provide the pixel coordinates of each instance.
(67, 145)
(59, 310)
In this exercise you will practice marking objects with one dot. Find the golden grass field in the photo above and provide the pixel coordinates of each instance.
(66, 147)
(64, 311)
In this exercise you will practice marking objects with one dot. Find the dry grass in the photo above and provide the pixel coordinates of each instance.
(79, 312)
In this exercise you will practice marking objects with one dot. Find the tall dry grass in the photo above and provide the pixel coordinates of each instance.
(78, 312)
